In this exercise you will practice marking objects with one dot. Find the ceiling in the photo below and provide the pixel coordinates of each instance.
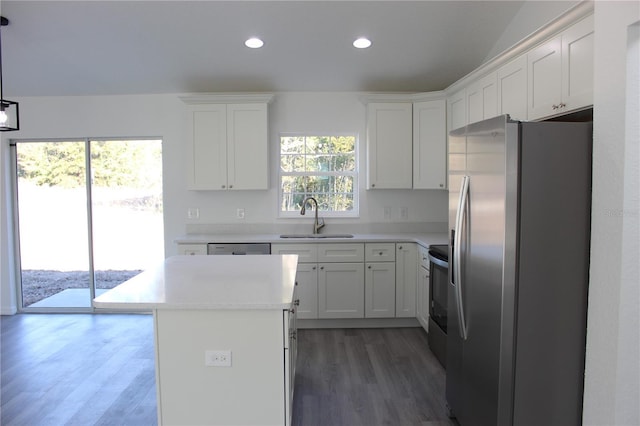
(56, 48)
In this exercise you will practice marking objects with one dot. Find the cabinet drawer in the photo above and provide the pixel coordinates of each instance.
(348, 252)
(423, 257)
(380, 252)
(192, 249)
(307, 253)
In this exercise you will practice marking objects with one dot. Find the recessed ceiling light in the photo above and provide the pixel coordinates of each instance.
(362, 43)
(254, 43)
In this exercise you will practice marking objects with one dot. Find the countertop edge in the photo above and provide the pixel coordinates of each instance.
(423, 239)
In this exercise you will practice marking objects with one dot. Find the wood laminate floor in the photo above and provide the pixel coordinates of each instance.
(82, 369)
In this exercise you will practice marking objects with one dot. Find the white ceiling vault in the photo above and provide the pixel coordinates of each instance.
(59, 48)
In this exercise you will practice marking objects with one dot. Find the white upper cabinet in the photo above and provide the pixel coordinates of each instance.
(560, 72)
(247, 146)
(482, 99)
(457, 110)
(512, 88)
(227, 143)
(430, 144)
(389, 145)
(577, 65)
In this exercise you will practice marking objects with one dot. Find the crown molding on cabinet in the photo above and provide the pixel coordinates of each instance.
(573, 15)
(226, 98)
(401, 97)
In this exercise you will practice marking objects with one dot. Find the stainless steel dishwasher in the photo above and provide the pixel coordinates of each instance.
(238, 248)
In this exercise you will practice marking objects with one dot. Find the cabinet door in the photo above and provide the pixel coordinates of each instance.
(577, 65)
(512, 89)
(423, 298)
(248, 142)
(457, 110)
(307, 290)
(430, 144)
(406, 279)
(192, 249)
(341, 290)
(482, 99)
(544, 72)
(207, 147)
(380, 290)
(389, 145)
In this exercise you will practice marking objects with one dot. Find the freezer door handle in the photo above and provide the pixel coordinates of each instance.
(456, 276)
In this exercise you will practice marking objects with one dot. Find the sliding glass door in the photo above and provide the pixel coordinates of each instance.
(89, 216)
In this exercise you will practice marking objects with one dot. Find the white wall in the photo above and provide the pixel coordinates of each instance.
(612, 373)
(164, 116)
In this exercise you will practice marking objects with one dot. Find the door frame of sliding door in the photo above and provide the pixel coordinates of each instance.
(15, 220)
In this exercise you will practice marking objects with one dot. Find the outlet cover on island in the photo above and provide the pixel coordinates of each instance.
(240, 214)
(404, 213)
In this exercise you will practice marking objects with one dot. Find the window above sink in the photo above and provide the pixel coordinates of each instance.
(324, 166)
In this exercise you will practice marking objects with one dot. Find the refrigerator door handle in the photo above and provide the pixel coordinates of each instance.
(456, 278)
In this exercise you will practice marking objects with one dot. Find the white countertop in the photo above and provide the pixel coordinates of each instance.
(208, 282)
(424, 239)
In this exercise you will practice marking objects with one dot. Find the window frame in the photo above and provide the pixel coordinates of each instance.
(353, 213)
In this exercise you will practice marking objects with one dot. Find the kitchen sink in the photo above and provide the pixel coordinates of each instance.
(316, 236)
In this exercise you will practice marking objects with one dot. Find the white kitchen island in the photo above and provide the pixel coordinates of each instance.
(236, 310)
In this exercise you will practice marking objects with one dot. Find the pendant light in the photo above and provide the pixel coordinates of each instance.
(8, 109)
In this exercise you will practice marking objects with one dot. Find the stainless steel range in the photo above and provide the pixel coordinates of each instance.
(438, 283)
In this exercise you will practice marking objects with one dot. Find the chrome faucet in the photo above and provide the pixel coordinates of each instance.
(316, 224)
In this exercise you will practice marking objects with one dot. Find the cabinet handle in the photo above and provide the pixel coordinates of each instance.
(296, 282)
(400, 248)
(224, 186)
(313, 269)
(380, 254)
(293, 311)
(369, 266)
(297, 302)
(554, 106)
(373, 185)
(230, 186)
(322, 268)
(442, 185)
(562, 105)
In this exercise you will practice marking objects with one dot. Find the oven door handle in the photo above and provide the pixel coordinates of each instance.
(438, 262)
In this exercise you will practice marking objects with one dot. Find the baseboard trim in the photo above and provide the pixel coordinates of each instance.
(358, 323)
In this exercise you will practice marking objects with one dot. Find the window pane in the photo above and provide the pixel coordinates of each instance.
(292, 163)
(325, 167)
(292, 144)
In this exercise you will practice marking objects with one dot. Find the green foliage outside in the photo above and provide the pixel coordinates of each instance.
(320, 166)
(121, 163)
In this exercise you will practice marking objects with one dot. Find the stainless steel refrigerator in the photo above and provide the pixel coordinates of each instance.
(519, 222)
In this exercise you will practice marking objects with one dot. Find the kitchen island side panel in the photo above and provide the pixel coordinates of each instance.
(249, 392)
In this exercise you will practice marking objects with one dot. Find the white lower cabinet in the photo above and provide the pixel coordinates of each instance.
(380, 290)
(306, 276)
(406, 279)
(192, 249)
(354, 280)
(341, 290)
(423, 288)
(307, 290)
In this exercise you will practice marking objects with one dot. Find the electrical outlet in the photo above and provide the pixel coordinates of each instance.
(193, 213)
(387, 213)
(240, 213)
(404, 213)
(217, 358)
